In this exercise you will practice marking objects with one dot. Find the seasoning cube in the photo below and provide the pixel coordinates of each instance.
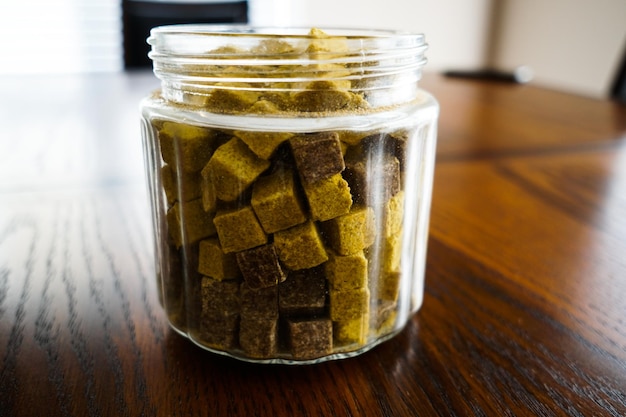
(351, 232)
(258, 338)
(260, 267)
(214, 263)
(346, 272)
(229, 100)
(221, 333)
(328, 198)
(391, 253)
(259, 304)
(384, 318)
(393, 144)
(208, 192)
(310, 338)
(188, 222)
(263, 144)
(303, 293)
(239, 229)
(394, 214)
(389, 286)
(317, 156)
(352, 331)
(276, 203)
(189, 185)
(186, 147)
(219, 298)
(373, 178)
(300, 247)
(232, 168)
(349, 304)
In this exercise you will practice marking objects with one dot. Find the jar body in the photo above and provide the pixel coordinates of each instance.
(289, 238)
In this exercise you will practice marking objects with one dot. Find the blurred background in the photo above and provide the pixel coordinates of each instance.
(576, 46)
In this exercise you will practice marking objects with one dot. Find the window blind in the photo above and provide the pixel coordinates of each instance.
(61, 36)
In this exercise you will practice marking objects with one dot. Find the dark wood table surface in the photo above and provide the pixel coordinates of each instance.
(525, 298)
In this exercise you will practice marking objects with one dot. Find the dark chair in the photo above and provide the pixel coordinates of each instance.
(618, 89)
(139, 16)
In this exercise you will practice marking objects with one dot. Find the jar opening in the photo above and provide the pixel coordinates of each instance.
(230, 69)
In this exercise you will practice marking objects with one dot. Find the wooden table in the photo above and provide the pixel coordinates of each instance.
(525, 298)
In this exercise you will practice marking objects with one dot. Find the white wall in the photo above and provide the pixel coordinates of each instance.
(456, 30)
(572, 45)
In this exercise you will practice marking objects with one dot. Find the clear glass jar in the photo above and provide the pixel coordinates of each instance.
(290, 174)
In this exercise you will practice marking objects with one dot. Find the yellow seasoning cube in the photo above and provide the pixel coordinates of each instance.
(392, 253)
(351, 232)
(229, 100)
(232, 168)
(214, 263)
(263, 144)
(389, 286)
(328, 198)
(349, 305)
(394, 214)
(186, 146)
(188, 222)
(346, 272)
(189, 185)
(239, 229)
(275, 202)
(300, 247)
(353, 331)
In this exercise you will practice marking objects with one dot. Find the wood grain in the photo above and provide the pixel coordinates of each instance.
(525, 298)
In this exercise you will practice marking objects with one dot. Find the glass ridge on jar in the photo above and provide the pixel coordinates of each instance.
(290, 175)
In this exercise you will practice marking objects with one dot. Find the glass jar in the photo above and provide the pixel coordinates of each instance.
(290, 176)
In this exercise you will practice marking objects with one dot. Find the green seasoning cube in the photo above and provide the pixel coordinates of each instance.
(263, 144)
(348, 305)
(275, 202)
(392, 253)
(352, 232)
(186, 146)
(310, 338)
(239, 229)
(214, 263)
(328, 198)
(300, 247)
(347, 272)
(189, 222)
(389, 286)
(232, 168)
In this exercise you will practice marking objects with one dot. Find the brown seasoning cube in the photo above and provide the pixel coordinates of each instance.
(259, 304)
(310, 338)
(258, 338)
(303, 292)
(317, 156)
(373, 180)
(220, 298)
(260, 267)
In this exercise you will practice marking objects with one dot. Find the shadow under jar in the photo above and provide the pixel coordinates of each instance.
(290, 175)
